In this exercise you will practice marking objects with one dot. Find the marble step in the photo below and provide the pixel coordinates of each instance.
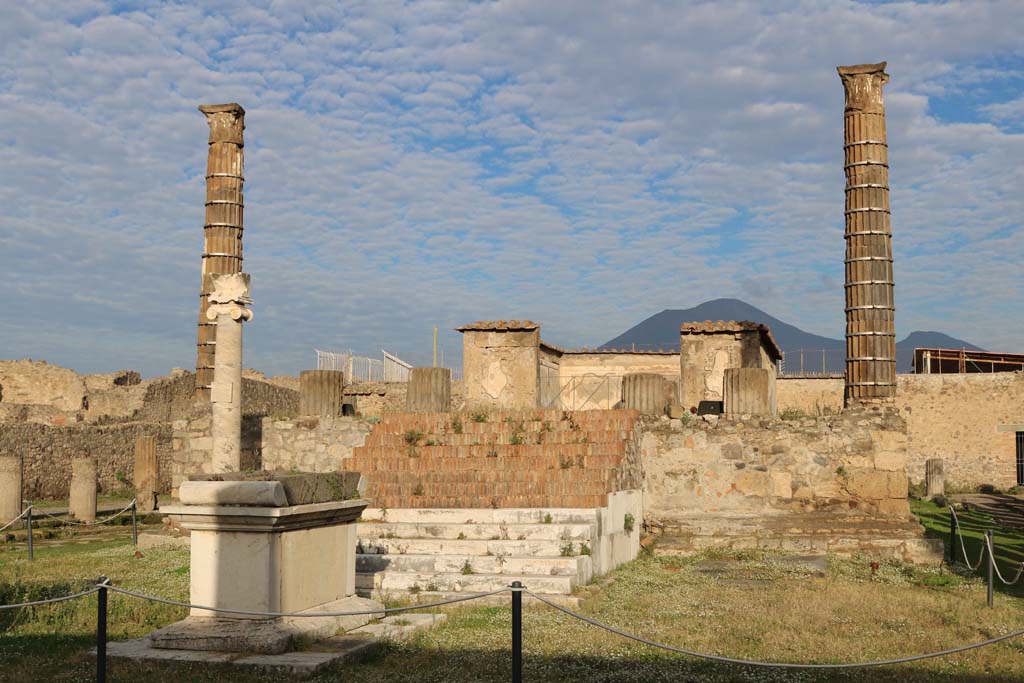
(481, 516)
(461, 531)
(468, 583)
(465, 548)
(578, 566)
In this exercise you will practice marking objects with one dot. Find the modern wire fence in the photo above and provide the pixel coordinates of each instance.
(813, 362)
(358, 369)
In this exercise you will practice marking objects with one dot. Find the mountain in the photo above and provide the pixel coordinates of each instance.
(662, 331)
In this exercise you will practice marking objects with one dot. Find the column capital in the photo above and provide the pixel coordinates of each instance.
(227, 121)
(863, 85)
(229, 295)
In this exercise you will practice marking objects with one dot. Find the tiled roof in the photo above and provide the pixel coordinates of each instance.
(499, 326)
(728, 326)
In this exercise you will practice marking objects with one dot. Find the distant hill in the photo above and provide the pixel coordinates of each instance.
(662, 331)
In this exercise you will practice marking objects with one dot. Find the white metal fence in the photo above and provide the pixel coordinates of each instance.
(388, 368)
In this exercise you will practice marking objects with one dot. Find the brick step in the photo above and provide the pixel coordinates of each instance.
(578, 566)
(462, 516)
(370, 544)
(405, 463)
(542, 532)
(488, 489)
(469, 583)
(428, 477)
(492, 501)
(503, 437)
(493, 450)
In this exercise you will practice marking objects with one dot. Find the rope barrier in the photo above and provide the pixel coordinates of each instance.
(50, 601)
(11, 523)
(773, 665)
(963, 548)
(995, 565)
(165, 601)
(64, 520)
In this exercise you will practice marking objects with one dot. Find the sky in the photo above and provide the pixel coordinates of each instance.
(583, 164)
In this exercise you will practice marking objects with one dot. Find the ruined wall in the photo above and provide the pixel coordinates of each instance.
(703, 359)
(958, 418)
(37, 382)
(501, 368)
(311, 444)
(851, 462)
(810, 395)
(47, 452)
(374, 399)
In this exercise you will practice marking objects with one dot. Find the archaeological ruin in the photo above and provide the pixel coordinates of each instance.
(542, 464)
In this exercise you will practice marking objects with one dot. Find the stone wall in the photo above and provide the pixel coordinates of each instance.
(968, 421)
(47, 452)
(37, 382)
(810, 395)
(851, 462)
(314, 444)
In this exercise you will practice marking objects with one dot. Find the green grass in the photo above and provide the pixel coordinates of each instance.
(760, 608)
(1009, 544)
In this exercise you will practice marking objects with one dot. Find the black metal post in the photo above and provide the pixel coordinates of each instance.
(952, 536)
(28, 520)
(991, 564)
(135, 526)
(101, 631)
(517, 632)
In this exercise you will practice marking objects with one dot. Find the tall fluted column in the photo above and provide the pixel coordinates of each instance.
(870, 305)
(229, 296)
(222, 244)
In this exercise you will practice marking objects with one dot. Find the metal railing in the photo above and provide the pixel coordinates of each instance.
(357, 369)
(987, 550)
(581, 392)
(813, 362)
(30, 514)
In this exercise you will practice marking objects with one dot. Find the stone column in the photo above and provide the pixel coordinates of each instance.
(222, 229)
(935, 480)
(429, 390)
(647, 393)
(10, 488)
(229, 296)
(82, 504)
(321, 392)
(749, 391)
(147, 474)
(870, 305)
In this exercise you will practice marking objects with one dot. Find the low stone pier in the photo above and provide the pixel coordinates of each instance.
(749, 391)
(146, 475)
(10, 488)
(647, 393)
(321, 392)
(82, 504)
(429, 390)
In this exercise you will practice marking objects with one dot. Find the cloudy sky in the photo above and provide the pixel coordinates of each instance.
(583, 164)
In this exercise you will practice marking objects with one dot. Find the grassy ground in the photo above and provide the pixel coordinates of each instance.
(1009, 544)
(759, 608)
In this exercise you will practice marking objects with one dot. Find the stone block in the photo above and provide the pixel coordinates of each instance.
(10, 488)
(429, 390)
(82, 505)
(780, 484)
(648, 393)
(749, 391)
(146, 476)
(321, 392)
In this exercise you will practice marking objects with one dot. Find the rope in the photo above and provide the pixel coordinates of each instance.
(10, 523)
(165, 601)
(963, 548)
(995, 565)
(48, 601)
(774, 665)
(92, 523)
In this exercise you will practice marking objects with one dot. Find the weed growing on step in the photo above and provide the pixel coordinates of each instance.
(415, 589)
(584, 548)
(568, 549)
(456, 425)
(418, 490)
(461, 536)
(412, 437)
(628, 523)
(478, 416)
(467, 568)
(547, 518)
(432, 587)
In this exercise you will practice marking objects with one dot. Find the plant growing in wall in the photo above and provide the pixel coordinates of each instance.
(467, 568)
(628, 522)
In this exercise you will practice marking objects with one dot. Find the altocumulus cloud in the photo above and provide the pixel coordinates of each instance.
(584, 164)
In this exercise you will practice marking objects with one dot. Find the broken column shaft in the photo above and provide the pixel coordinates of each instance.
(870, 304)
(222, 229)
(229, 296)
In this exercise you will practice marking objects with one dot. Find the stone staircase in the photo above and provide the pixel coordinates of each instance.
(803, 532)
(472, 502)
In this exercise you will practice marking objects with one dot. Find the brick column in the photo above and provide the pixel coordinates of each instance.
(222, 229)
(870, 305)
